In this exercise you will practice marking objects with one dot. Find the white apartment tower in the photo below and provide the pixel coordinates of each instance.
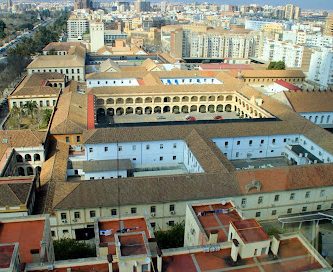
(76, 27)
(321, 67)
(96, 36)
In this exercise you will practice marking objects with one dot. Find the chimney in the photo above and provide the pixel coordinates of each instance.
(110, 260)
(213, 237)
(234, 250)
(275, 244)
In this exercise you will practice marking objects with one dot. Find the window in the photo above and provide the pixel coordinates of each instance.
(260, 199)
(174, 158)
(63, 216)
(226, 144)
(153, 209)
(284, 140)
(133, 210)
(161, 146)
(153, 225)
(250, 142)
(276, 198)
(258, 214)
(289, 210)
(92, 214)
(161, 158)
(322, 193)
(77, 215)
(318, 207)
(78, 139)
(91, 178)
(307, 194)
(237, 154)
(106, 149)
(120, 148)
(171, 223)
(238, 142)
(304, 209)
(243, 202)
(147, 147)
(172, 208)
(52, 233)
(67, 139)
(273, 141)
(174, 145)
(133, 147)
(292, 196)
(274, 212)
(91, 150)
(113, 212)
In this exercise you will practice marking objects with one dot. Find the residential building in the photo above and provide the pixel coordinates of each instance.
(82, 4)
(77, 26)
(321, 67)
(294, 56)
(198, 41)
(292, 12)
(329, 25)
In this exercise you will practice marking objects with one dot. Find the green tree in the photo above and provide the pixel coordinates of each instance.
(277, 65)
(46, 116)
(2, 29)
(171, 238)
(30, 107)
(65, 249)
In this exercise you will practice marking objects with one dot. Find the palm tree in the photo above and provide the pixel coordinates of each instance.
(31, 107)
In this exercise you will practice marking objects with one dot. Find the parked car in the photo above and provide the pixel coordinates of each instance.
(218, 117)
(191, 118)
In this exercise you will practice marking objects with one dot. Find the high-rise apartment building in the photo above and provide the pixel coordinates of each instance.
(292, 12)
(329, 25)
(76, 27)
(294, 56)
(141, 5)
(82, 4)
(321, 67)
(197, 41)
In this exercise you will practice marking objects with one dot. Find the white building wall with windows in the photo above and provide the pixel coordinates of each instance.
(321, 67)
(107, 82)
(143, 154)
(322, 119)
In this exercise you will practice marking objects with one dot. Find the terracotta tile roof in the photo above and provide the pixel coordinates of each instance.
(269, 73)
(15, 194)
(62, 46)
(143, 190)
(71, 114)
(311, 101)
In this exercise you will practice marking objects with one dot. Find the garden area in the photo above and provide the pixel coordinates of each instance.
(30, 116)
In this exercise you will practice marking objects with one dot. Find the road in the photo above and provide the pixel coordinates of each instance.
(12, 43)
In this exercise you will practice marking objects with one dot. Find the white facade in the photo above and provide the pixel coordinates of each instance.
(291, 54)
(190, 81)
(322, 119)
(241, 148)
(321, 67)
(76, 27)
(96, 36)
(112, 82)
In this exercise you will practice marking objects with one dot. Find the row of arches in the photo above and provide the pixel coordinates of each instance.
(166, 99)
(27, 158)
(166, 109)
(28, 171)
